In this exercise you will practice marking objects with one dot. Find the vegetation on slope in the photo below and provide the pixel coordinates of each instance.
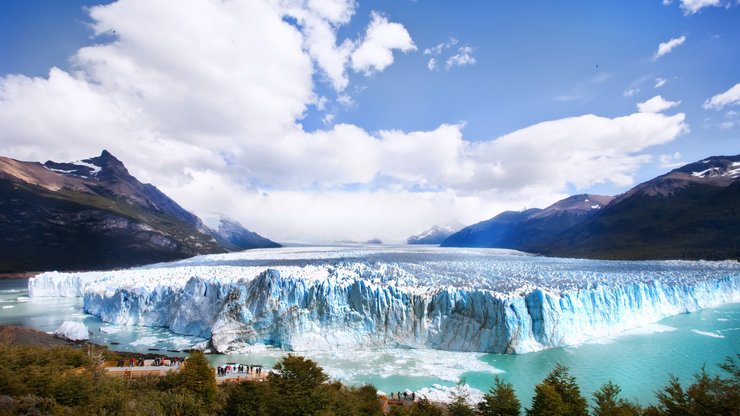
(70, 381)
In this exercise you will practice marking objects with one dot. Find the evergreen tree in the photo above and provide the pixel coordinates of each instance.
(708, 395)
(424, 407)
(558, 394)
(500, 401)
(459, 407)
(295, 387)
(608, 403)
(198, 377)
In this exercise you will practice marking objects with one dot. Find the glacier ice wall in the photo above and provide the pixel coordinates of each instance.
(471, 302)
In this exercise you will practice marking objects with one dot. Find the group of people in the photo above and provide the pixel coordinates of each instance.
(404, 396)
(157, 361)
(224, 370)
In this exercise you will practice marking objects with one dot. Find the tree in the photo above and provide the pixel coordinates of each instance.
(198, 377)
(608, 403)
(500, 401)
(295, 387)
(558, 394)
(459, 407)
(708, 395)
(247, 399)
(424, 407)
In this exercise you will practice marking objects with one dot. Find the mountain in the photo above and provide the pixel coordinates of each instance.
(434, 235)
(90, 214)
(692, 212)
(234, 237)
(528, 229)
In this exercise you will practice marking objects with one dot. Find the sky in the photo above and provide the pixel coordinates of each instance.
(327, 120)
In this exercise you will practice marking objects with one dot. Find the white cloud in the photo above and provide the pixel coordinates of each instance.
(440, 47)
(693, 6)
(667, 2)
(729, 97)
(630, 92)
(346, 101)
(671, 161)
(375, 53)
(206, 102)
(659, 82)
(656, 104)
(463, 57)
(666, 47)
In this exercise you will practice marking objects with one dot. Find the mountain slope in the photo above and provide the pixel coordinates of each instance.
(434, 235)
(234, 237)
(531, 228)
(692, 212)
(90, 214)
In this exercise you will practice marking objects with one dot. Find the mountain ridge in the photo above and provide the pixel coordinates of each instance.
(691, 212)
(90, 214)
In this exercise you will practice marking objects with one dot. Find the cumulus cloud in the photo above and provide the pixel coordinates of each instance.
(729, 97)
(375, 53)
(659, 82)
(666, 47)
(206, 102)
(693, 6)
(656, 104)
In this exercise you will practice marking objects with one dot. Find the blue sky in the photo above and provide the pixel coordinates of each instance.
(304, 120)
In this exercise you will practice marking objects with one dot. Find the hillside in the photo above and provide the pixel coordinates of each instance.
(90, 214)
(692, 212)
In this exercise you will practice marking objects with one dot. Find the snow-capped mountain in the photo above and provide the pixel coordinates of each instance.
(90, 214)
(688, 213)
(233, 236)
(526, 229)
(434, 235)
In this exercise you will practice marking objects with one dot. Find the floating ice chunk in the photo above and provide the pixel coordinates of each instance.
(707, 334)
(150, 341)
(73, 331)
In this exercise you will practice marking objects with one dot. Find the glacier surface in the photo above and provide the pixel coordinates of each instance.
(326, 298)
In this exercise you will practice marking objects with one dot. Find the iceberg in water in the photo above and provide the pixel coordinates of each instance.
(328, 298)
(73, 331)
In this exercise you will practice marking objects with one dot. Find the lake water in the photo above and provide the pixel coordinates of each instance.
(640, 361)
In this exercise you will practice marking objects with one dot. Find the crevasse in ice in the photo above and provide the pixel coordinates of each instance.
(364, 297)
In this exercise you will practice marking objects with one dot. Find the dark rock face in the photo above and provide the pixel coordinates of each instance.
(527, 229)
(90, 214)
(692, 212)
(234, 237)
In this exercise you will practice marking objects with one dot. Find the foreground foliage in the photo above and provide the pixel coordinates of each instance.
(70, 381)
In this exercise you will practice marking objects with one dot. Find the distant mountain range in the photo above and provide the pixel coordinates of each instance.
(434, 235)
(93, 214)
(231, 235)
(692, 212)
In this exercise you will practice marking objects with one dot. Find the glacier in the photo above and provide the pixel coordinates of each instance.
(360, 297)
